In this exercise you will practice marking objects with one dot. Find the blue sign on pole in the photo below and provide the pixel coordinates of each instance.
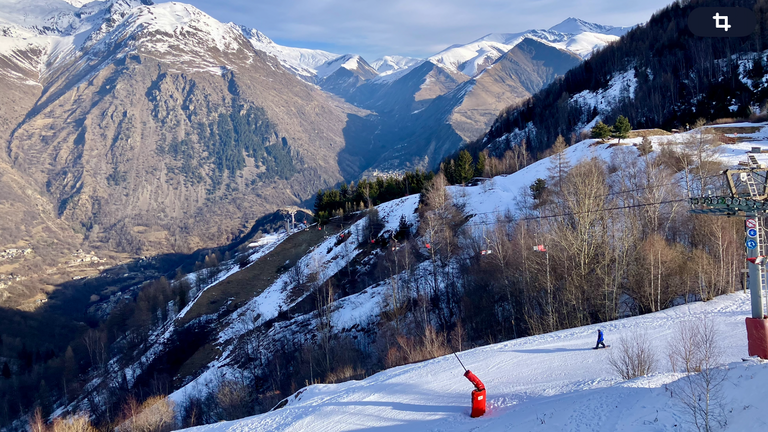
(751, 244)
(752, 232)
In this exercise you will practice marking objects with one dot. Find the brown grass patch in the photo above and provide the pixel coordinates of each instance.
(642, 133)
(734, 130)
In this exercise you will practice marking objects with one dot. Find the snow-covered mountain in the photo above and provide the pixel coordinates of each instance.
(350, 62)
(302, 61)
(390, 64)
(577, 36)
(59, 34)
(576, 26)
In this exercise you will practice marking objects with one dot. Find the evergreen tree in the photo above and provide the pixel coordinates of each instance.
(621, 128)
(645, 146)
(538, 188)
(451, 172)
(403, 229)
(601, 131)
(6, 373)
(464, 167)
(480, 166)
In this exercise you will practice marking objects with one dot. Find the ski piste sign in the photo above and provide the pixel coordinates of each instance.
(751, 224)
(751, 244)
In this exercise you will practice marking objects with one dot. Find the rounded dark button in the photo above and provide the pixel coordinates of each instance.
(722, 22)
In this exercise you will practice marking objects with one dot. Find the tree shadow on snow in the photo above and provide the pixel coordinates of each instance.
(550, 350)
(399, 406)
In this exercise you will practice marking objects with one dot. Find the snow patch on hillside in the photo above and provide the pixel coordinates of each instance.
(622, 85)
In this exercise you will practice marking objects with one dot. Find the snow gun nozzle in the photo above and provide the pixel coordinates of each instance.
(474, 380)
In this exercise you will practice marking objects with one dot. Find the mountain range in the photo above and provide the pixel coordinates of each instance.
(131, 128)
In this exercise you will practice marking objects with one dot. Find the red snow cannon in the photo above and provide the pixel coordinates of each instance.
(478, 395)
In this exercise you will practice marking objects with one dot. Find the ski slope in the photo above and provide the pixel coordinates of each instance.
(550, 382)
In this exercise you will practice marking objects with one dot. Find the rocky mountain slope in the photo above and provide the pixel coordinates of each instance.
(138, 129)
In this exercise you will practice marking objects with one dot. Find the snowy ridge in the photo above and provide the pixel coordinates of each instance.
(579, 37)
(576, 26)
(351, 62)
(176, 30)
(301, 61)
(390, 64)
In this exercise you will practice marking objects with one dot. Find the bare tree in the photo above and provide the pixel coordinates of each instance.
(634, 356)
(696, 352)
(324, 302)
(74, 423)
(37, 423)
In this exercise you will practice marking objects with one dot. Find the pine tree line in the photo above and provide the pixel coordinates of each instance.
(368, 193)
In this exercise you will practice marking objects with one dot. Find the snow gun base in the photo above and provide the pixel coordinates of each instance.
(478, 403)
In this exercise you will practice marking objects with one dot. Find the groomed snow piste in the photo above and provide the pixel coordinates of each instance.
(551, 382)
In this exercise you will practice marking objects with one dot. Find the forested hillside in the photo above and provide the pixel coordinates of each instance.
(678, 78)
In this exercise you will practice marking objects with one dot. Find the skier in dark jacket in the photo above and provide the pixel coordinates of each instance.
(599, 339)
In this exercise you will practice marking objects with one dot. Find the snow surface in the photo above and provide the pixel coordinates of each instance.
(550, 382)
(584, 44)
(622, 84)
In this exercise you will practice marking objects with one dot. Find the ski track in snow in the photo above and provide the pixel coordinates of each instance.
(550, 382)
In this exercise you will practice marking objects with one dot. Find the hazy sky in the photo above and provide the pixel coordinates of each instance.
(418, 28)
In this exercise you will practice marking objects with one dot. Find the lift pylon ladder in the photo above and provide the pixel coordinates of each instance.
(747, 196)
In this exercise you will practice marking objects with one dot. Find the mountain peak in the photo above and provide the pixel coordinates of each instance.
(576, 26)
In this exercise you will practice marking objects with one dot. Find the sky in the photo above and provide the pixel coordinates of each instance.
(416, 28)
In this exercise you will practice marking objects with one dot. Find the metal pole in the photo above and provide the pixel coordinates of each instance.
(549, 292)
(755, 270)
(462, 364)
